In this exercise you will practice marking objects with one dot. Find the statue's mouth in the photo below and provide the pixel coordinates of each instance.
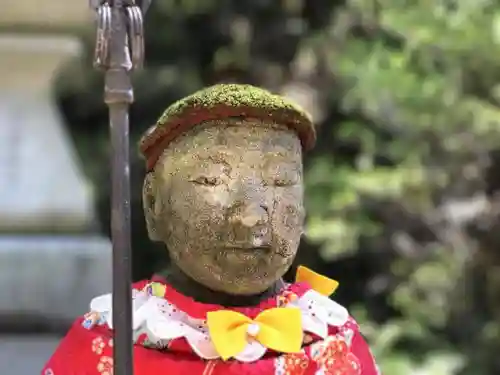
(248, 249)
(239, 254)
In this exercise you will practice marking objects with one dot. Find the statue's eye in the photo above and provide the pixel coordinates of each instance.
(208, 181)
(281, 176)
(284, 182)
(280, 182)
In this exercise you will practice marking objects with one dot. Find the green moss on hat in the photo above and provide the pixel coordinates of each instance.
(225, 101)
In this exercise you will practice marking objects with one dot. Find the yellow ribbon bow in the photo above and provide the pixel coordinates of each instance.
(279, 329)
(321, 284)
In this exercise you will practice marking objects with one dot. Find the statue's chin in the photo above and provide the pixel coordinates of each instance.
(241, 288)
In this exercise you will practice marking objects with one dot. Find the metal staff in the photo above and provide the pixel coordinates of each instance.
(120, 49)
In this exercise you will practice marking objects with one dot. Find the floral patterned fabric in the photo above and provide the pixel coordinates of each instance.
(88, 347)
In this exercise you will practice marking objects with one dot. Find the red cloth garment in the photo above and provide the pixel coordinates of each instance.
(88, 350)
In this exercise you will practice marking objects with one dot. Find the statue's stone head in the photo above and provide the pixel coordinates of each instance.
(224, 188)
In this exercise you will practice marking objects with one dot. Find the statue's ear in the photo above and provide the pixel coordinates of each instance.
(149, 202)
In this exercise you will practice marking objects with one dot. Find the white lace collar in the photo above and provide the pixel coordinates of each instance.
(162, 322)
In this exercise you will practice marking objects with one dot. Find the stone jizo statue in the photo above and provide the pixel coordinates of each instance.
(224, 193)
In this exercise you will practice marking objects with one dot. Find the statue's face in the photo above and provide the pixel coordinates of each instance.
(228, 203)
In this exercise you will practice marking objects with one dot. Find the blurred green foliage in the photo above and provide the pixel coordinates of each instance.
(401, 188)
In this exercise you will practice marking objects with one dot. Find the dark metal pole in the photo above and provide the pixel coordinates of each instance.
(118, 95)
(119, 49)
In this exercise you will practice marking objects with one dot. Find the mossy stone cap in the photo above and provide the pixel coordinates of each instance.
(224, 101)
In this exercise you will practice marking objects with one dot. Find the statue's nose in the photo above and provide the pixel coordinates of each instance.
(250, 215)
(250, 207)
